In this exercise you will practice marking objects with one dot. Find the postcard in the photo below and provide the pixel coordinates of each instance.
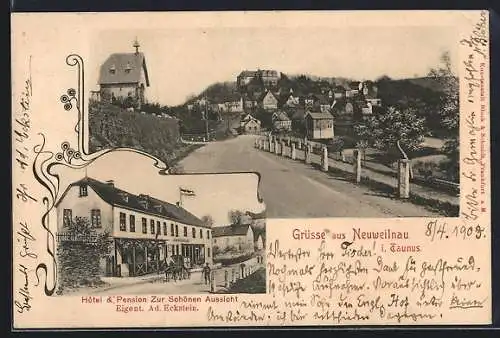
(237, 169)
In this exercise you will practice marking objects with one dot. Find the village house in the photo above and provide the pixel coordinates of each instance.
(281, 121)
(269, 77)
(250, 125)
(123, 76)
(249, 102)
(323, 103)
(289, 100)
(339, 92)
(370, 94)
(319, 125)
(143, 230)
(237, 239)
(217, 104)
(269, 101)
(234, 103)
(354, 88)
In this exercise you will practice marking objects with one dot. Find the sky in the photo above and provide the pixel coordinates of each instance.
(183, 62)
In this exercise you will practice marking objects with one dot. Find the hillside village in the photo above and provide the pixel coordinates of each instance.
(270, 100)
(326, 110)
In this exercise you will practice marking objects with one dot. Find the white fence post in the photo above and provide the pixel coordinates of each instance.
(404, 178)
(324, 159)
(357, 165)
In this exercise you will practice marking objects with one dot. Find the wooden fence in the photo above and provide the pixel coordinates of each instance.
(73, 237)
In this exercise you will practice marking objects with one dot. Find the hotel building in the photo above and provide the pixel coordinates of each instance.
(144, 231)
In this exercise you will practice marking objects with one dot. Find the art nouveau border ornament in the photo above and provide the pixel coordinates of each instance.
(296, 196)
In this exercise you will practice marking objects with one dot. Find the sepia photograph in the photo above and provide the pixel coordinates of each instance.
(218, 170)
(124, 236)
(370, 113)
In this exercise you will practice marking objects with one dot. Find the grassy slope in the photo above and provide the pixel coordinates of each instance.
(255, 283)
(112, 127)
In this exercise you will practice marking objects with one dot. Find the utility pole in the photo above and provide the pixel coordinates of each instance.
(205, 113)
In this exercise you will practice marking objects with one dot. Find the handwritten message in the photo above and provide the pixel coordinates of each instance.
(24, 237)
(374, 276)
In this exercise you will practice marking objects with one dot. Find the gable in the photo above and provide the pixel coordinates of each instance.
(124, 68)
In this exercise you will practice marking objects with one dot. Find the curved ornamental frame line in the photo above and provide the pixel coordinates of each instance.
(75, 158)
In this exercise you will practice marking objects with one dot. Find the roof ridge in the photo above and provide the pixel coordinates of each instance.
(99, 185)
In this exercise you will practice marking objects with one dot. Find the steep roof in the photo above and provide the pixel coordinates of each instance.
(248, 73)
(319, 116)
(249, 118)
(281, 116)
(264, 94)
(114, 196)
(230, 230)
(120, 62)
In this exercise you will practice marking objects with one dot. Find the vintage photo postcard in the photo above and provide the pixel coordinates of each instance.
(237, 169)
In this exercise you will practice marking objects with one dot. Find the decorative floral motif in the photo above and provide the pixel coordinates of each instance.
(45, 160)
(68, 153)
(68, 98)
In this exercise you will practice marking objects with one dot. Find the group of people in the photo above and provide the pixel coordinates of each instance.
(171, 265)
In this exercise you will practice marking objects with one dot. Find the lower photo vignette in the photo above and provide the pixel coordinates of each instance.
(111, 241)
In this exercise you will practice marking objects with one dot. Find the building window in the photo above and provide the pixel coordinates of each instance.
(95, 216)
(165, 228)
(132, 223)
(172, 231)
(144, 226)
(158, 229)
(193, 231)
(152, 226)
(123, 225)
(83, 190)
(201, 233)
(208, 252)
(67, 217)
(176, 230)
(208, 234)
(185, 231)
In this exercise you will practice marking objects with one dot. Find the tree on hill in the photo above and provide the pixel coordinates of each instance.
(449, 110)
(404, 94)
(394, 131)
(236, 217)
(207, 220)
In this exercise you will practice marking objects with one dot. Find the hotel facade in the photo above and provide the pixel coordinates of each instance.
(144, 231)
